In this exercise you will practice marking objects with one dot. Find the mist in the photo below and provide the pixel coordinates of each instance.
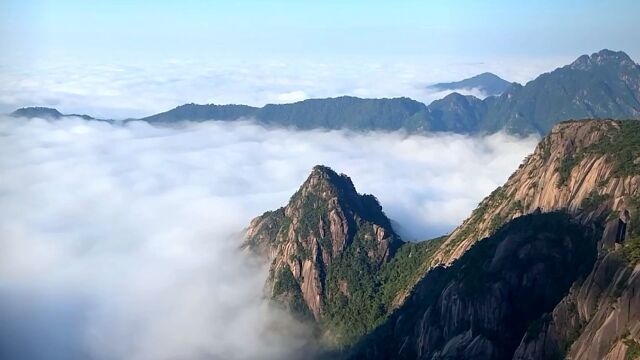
(111, 90)
(121, 240)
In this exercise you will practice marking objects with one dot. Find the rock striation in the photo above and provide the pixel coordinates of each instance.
(547, 234)
(325, 226)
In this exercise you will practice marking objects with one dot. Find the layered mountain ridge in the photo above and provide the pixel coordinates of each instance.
(605, 84)
(561, 205)
(537, 257)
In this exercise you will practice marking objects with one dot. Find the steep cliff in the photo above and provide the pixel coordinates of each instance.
(328, 248)
(481, 306)
(466, 306)
(586, 168)
(598, 319)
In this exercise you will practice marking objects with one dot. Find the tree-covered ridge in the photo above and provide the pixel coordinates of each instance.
(605, 84)
(344, 112)
(361, 296)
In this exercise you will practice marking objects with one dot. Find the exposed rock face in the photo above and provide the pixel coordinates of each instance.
(595, 321)
(481, 306)
(587, 170)
(570, 170)
(324, 219)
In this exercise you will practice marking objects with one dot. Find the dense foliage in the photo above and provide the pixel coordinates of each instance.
(286, 286)
(594, 200)
(369, 289)
(621, 146)
(631, 250)
(591, 87)
(633, 350)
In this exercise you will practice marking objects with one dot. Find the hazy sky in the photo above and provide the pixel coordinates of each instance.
(120, 59)
(125, 29)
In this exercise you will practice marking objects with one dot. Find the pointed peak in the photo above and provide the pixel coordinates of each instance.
(323, 169)
(487, 75)
(324, 176)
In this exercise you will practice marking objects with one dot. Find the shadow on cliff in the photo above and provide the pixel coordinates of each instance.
(482, 305)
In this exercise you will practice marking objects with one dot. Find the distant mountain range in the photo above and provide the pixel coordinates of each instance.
(45, 112)
(603, 85)
(488, 83)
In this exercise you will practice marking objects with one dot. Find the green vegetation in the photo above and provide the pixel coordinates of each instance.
(622, 146)
(566, 166)
(518, 206)
(546, 149)
(634, 210)
(351, 314)
(631, 250)
(470, 227)
(273, 223)
(370, 288)
(406, 268)
(633, 350)
(285, 285)
(594, 200)
(520, 273)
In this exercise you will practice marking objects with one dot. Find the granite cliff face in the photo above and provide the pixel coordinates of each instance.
(481, 306)
(532, 274)
(587, 168)
(323, 246)
(547, 234)
(598, 319)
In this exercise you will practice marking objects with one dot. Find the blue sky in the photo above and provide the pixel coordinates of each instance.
(124, 59)
(118, 29)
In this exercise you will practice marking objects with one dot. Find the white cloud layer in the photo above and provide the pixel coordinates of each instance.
(120, 241)
(135, 90)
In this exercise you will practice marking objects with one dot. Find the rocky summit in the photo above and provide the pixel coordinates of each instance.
(326, 248)
(533, 273)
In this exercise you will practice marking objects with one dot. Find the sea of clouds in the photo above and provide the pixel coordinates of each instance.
(121, 240)
(113, 90)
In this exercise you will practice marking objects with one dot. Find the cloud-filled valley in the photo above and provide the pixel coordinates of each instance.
(121, 241)
(112, 90)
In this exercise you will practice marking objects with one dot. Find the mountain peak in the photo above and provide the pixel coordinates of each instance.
(603, 57)
(313, 240)
(46, 113)
(325, 179)
(489, 83)
(37, 111)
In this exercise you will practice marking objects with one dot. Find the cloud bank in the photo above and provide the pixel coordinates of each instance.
(114, 90)
(120, 241)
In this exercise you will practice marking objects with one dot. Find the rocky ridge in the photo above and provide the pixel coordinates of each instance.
(320, 244)
(586, 171)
